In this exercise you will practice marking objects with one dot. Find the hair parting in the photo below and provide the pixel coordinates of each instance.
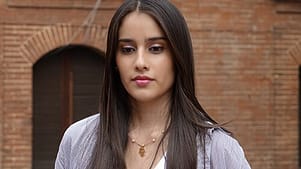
(138, 6)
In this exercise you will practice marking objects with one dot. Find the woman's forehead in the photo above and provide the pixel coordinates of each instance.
(139, 23)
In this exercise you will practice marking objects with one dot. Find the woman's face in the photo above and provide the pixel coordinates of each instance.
(144, 59)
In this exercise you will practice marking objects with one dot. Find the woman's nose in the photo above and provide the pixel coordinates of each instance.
(141, 62)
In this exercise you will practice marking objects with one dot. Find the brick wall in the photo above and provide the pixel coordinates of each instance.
(19, 59)
(234, 70)
(286, 73)
(247, 55)
(1, 96)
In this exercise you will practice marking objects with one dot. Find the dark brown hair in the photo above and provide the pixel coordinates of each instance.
(188, 120)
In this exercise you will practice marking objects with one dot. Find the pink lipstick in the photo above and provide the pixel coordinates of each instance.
(142, 80)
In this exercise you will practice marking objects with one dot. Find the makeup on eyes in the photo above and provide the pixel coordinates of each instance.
(155, 45)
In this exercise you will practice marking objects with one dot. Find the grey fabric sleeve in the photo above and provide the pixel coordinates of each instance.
(226, 153)
(77, 144)
(63, 155)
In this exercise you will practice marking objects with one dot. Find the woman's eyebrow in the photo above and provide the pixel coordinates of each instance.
(125, 40)
(147, 40)
(156, 38)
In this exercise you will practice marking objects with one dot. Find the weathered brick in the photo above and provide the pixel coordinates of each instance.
(247, 55)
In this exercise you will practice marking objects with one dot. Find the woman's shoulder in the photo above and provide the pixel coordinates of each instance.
(92, 119)
(77, 143)
(220, 137)
(226, 150)
(82, 127)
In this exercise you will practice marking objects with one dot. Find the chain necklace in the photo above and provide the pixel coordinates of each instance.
(142, 146)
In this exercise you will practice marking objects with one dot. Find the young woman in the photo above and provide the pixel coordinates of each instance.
(150, 117)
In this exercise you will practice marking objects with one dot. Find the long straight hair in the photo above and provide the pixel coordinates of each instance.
(188, 120)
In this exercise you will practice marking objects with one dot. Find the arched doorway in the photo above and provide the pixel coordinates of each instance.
(66, 88)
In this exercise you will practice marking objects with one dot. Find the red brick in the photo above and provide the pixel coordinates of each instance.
(246, 60)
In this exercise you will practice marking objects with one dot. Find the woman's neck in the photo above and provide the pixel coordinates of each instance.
(149, 117)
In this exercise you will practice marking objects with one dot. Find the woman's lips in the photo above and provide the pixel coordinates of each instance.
(142, 81)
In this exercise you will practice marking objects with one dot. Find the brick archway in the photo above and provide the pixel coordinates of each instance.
(287, 58)
(60, 35)
(27, 44)
(295, 52)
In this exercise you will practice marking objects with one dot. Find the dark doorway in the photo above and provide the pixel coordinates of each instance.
(66, 88)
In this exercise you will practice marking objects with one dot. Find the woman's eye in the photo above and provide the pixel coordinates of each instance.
(156, 49)
(127, 50)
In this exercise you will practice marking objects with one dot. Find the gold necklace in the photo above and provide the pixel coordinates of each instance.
(142, 146)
